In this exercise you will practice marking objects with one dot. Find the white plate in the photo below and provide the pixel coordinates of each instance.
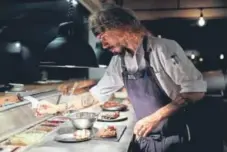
(120, 118)
(70, 138)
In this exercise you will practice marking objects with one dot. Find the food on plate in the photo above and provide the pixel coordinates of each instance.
(107, 132)
(111, 104)
(110, 115)
(44, 128)
(48, 124)
(55, 121)
(27, 138)
(82, 134)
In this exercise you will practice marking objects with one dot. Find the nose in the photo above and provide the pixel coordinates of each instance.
(103, 40)
(105, 45)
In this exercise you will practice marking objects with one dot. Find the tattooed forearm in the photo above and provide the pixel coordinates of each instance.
(78, 102)
(83, 101)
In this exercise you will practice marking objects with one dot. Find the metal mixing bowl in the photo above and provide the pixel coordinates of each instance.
(83, 120)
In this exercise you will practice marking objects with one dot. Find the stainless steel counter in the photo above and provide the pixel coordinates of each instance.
(49, 145)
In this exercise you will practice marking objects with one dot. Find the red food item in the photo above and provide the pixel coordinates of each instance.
(108, 132)
(55, 121)
(111, 115)
(110, 104)
(111, 128)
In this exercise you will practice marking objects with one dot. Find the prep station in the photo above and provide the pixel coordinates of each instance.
(21, 130)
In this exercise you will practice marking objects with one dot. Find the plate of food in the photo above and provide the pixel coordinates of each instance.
(111, 117)
(110, 133)
(107, 132)
(76, 136)
(113, 106)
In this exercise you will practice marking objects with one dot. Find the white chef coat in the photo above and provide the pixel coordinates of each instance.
(175, 72)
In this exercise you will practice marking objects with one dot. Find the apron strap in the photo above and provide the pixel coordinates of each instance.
(123, 65)
(147, 51)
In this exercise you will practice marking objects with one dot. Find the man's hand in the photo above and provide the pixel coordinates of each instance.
(146, 125)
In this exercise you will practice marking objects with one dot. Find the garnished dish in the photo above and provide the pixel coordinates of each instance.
(82, 134)
(77, 136)
(107, 132)
(113, 106)
(110, 115)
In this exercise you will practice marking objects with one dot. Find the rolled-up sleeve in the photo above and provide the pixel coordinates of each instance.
(110, 82)
(180, 69)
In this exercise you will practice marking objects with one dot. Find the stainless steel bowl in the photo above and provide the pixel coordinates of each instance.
(83, 120)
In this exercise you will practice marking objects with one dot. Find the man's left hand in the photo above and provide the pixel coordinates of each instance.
(146, 125)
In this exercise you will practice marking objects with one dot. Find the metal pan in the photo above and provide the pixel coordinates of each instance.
(122, 107)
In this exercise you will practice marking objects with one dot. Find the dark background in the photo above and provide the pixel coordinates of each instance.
(35, 24)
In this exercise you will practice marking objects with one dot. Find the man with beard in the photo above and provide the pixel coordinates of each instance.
(166, 90)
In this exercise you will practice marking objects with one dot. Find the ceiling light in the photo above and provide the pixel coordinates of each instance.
(17, 44)
(74, 2)
(201, 21)
(192, 56)
(222, 56)
(201, 59)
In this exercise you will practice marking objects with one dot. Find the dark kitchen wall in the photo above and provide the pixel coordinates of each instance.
(209, 40)
(34, 24)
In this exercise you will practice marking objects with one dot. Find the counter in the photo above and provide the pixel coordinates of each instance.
(49, 144)
(29, 88)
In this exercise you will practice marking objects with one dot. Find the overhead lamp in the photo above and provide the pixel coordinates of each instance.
(201, 59)
(73, 2)
(222, 56)
(192, 56)
(201, 21)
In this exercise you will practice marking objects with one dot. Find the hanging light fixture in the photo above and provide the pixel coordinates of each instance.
(70, 42)
(201, 21)
(65, 31)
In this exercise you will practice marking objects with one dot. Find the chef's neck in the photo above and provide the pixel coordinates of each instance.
(134, 40)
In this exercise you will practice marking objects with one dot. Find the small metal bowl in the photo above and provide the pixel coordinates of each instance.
(83, 120)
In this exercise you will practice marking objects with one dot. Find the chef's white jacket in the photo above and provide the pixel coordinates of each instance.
(175, 72)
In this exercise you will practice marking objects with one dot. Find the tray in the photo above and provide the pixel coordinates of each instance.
(120, 132)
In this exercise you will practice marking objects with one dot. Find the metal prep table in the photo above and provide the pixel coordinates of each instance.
(93, 145)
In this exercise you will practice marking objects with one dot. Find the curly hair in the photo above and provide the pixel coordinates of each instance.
(112, 18)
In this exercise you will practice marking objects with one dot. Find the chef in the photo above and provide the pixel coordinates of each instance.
(166, 90)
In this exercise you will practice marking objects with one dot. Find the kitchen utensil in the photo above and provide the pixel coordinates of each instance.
(83, 120)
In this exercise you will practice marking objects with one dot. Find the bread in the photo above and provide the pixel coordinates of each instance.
(80, 86)
(9, 99)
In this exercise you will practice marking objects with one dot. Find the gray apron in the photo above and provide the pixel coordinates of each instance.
(147, 96)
